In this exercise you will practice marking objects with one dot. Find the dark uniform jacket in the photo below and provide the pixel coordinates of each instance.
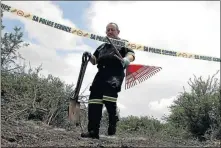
(105, 55)
(110, 68)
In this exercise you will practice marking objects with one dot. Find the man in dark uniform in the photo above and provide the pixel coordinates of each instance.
(107, 83)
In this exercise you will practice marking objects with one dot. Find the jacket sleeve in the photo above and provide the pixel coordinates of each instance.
(96, 53)
(129, 51)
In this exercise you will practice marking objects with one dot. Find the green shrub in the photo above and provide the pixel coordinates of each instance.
(198, 111)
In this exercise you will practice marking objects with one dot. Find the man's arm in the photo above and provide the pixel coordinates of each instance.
(131, 56)
(93, 60)
(95, 56)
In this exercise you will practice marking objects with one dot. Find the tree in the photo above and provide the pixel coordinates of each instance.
(10, 43)
(199, 111)
(25, 94)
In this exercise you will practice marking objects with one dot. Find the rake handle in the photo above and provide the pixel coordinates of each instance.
(116, 50)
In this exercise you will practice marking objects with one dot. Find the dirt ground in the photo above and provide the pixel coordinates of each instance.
(37, 134)
(30, 133)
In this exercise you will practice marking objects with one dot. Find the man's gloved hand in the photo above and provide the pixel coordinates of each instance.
(125, 62)
(88, 54)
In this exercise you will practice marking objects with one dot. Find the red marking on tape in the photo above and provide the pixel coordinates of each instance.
(20, 13)
(27, 15)
(133, 46)
(79, 33)
(138, 47)
(73, 31)
(86, 34)
(184, 55)
(14, 10)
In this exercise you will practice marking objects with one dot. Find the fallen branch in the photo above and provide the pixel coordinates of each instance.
(50, 118)
(35, 96)
(16, 113)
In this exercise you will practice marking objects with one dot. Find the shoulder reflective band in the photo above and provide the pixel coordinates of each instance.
(85, 34)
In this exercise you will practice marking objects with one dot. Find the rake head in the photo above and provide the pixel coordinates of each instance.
(136, 74)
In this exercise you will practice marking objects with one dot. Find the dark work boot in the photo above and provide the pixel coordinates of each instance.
(113, 118)
(111, 130)
(94, 117)
(91, 134)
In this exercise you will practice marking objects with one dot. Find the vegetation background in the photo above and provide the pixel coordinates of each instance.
(34, 110)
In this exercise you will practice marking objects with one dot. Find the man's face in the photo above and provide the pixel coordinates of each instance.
(111, 31)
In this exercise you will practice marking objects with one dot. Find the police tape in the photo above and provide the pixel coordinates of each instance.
(92, 36)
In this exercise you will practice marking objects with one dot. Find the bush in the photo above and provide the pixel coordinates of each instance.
(198, 111)
(25, 94)
(141, 125)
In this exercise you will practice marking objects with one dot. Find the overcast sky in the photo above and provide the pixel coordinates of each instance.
(180, 26)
